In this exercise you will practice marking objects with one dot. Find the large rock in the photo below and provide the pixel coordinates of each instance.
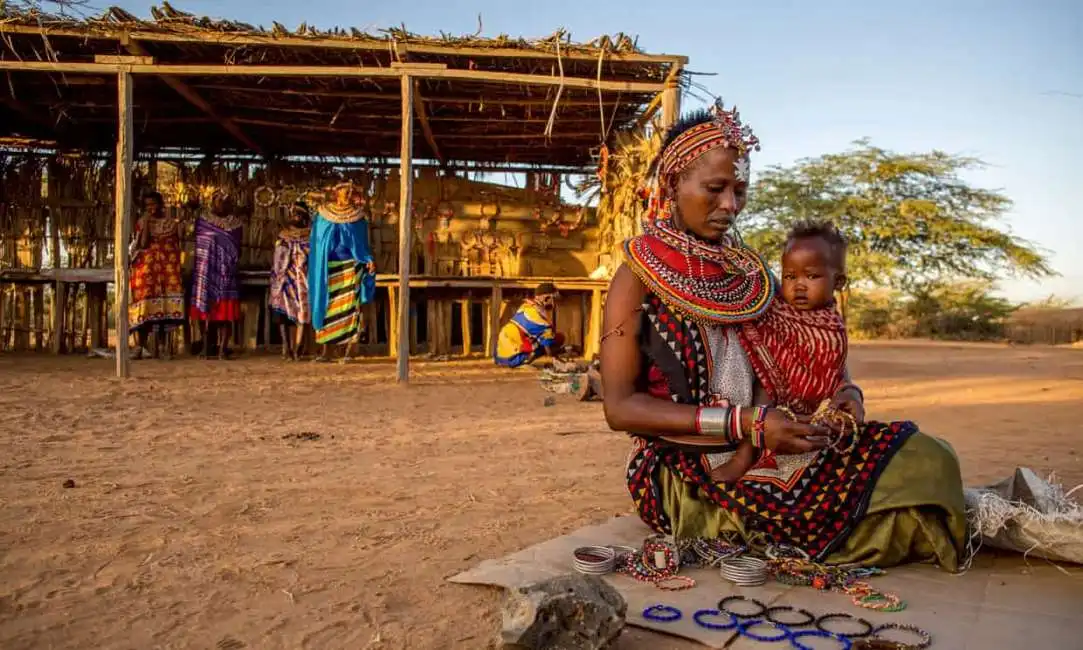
(572, 612)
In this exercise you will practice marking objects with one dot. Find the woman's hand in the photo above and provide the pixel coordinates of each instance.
(850, 400)
(786, 436)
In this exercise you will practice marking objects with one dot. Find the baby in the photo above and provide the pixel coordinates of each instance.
(798, 349)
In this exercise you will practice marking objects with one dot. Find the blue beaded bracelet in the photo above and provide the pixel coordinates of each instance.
(702, 614)
(662, 613)
(784, 632)
(844, 643)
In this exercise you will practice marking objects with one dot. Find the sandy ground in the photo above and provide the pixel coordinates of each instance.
(203, 517)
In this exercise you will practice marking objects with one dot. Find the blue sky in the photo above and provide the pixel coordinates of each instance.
(1001, 80)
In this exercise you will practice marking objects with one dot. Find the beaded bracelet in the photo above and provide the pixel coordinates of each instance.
(759, 427)
(867, 631)
(662, 614)
(702, 614)
(722, 606)
(925, 642)
(713, 421)
(772, 612)
(845, 643)
(784, 632)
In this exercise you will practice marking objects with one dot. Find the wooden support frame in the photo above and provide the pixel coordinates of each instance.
(426, 128)
(671, 98)
(374, 44)
(123, 224)
(193, 98)
(402, 71)
(406, 190)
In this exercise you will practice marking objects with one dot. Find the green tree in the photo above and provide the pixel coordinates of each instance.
(909, 218)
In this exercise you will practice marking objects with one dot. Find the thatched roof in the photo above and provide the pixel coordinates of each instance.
(467, 119)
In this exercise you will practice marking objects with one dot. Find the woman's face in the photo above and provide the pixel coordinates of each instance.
(298, 218)
(709, 195)
(151, 207)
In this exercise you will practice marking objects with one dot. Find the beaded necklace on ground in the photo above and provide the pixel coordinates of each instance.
(846, 580)
(656, 563)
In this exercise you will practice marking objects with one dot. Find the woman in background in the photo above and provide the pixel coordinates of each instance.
(289, 281)
(157, 293)
(216, 296)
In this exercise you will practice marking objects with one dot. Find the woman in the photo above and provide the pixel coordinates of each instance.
(529, 334)
(341, 272)
(157, 292)
(289, 281)
(216, 295)
(673, 365)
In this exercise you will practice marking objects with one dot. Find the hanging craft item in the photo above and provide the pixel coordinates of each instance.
(391, 213)
(603, 166)
(489, 210)
(287, 196)
(419, 213)
(264, 197)
(541, 243)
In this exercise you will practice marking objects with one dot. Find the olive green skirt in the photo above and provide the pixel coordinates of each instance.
(915, 514)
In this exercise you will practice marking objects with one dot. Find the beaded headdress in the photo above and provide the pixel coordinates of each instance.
(724, 129)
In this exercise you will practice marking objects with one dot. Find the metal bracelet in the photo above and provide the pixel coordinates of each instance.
(713, 421)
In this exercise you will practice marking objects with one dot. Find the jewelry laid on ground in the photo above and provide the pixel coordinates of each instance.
(745, 571)
(762, 624)
(595, 560)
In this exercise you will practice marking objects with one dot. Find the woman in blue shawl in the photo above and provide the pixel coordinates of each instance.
(341, 271)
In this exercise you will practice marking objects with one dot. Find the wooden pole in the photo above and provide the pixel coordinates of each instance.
(496, 303)
(406, 190)
(467, 331)
(671, 98)
(122, 226)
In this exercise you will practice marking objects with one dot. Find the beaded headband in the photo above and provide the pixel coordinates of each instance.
(723, 130)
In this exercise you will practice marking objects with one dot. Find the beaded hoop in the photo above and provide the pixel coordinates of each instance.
(722, 606)
(809, 619)
(926, 638)
(845, 617)
(845, 643)
(712, 613)
(662, 614)
(784, 632)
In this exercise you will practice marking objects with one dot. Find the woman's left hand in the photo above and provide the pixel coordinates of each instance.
(850, 400)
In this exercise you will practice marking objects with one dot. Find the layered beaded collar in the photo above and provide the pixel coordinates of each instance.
(335, 214)
(721, 283)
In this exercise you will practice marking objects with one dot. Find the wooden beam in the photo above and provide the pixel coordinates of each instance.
(123, 223)
(406, 191)
(389, 97)
(671, 99)
(286, 126)
(465, 328)
(139, 57)
(426, 128)
(476, 76)
(196, 100)
(496, 304)
(374, 44)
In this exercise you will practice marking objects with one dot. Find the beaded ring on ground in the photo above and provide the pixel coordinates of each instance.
(712, 613)
(845, 617)
(795, 637)
(926, 638)
(809, 617)
(722, 606)
(784, 632)
(662, 614)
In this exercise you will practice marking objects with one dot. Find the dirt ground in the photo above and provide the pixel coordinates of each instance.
(266, 505)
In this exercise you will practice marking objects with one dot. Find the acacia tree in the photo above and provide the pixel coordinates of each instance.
(910, 220)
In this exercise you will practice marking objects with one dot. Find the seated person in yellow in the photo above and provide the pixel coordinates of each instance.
(529, 334)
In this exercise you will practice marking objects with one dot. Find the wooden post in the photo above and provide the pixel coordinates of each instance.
(96, 294)
(123, 226)
(267, 320)
(496, 302)
(594, 326)
(406, 190)
(392, 321)
(466, 329)
(671, 98)
(60, 302)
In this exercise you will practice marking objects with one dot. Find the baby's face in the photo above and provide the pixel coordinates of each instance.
(809, 279)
